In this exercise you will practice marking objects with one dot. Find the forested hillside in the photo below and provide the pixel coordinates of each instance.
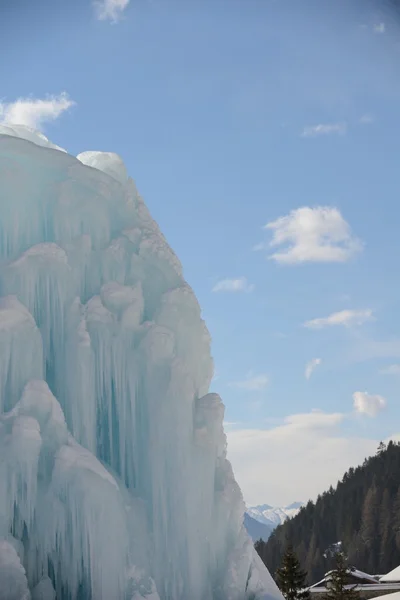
(363, 512)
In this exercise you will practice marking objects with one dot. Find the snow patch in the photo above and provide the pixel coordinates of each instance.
(108, 162)
(28, 134)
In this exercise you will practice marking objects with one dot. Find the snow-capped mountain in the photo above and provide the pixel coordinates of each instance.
(273, 516)
(257, 530)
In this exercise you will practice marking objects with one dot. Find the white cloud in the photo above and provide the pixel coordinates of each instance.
(318, 234)
(366, 119)
(300, 458)
(368, 404)
(110, 10)
(252, 383)
(229, 424)
(311, 366)
(379, 28)
(348, 318)
(364, 348)
(259, 247)
(395, 437)
(390, 370)
(233, 285)
(324, 129)
(315, 419)
(280, 335)
(34, 112)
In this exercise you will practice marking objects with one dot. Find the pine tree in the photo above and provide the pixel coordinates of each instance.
(396, 518)
(260, 548)
(291, 579)
(337, 585)
(381, 448)
(385, 528)
(369, 525)
(310, 559)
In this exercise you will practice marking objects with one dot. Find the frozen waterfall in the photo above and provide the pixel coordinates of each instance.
(114, 482)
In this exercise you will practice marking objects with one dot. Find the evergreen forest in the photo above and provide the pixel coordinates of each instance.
(362, 512)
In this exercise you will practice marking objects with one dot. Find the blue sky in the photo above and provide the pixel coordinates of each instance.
(234, 115)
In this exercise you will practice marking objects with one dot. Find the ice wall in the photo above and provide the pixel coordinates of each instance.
(114, 483)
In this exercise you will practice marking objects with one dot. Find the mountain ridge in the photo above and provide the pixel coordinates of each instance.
(255, 529)
(274, 515)
(261, 520)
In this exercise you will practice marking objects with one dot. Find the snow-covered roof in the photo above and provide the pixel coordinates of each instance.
(361, 575)
(392, 576)
(368, 587)
(392, 596)
(318, 584)
(356, 573)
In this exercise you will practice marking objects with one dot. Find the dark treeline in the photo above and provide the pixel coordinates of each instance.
(363, 513)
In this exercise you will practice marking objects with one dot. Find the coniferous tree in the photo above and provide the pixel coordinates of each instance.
(396, 519)
(362, 511)
(381, 448)
(291, 579)
(385, 529)
(311, 553)
(369, 526)
(338, 589)
(259, 546)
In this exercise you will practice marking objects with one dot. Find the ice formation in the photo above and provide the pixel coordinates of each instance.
(114, 482)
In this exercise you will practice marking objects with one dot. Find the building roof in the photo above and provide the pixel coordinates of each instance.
(356, 573)
(361, 575)
(392, 576)
(392, 596)
(389, 587)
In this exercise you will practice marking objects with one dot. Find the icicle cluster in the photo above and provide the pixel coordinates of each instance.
(114, 483)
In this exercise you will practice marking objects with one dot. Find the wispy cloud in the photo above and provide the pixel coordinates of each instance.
(379, 28)
(259, 247)
(318, 234)
(280, 335)
(368, 404)
(364, 348)
(347, 318)
(229, 424)
(233, 285)
(34, 112)
(252, 383)
(322, 454)
(390, 370)
(110, 10)
(314, 419)
(324, 129)
(311, 366)
(366, 119)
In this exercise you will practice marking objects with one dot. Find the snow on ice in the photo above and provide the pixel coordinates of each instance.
(114, 482)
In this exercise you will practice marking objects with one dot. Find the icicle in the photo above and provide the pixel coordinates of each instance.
(13, 583)
(87, 538)
(114, 482)
(41, 279)
(44, 590)
(21, 356)
(78, 397)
